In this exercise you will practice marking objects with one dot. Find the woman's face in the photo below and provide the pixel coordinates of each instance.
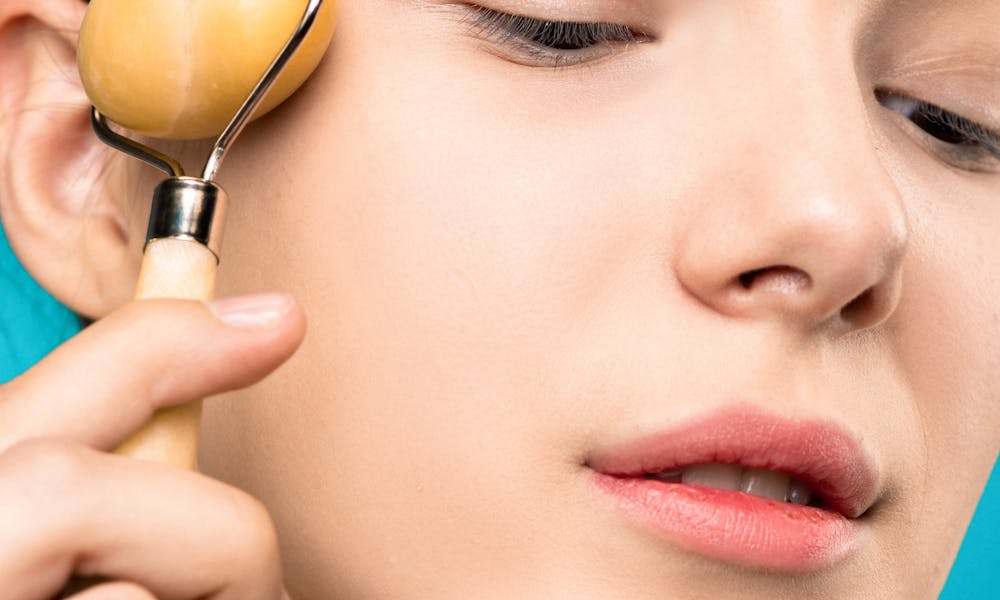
(528, 269)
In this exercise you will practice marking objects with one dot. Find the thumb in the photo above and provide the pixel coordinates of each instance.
(105, 383)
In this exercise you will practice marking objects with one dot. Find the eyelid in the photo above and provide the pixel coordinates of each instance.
(981, 154)
(558, 43)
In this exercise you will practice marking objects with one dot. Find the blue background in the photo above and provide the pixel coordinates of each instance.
(32, 323)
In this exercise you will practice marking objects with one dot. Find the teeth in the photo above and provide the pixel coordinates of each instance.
(723, 477)
(757, 482)
(798, 493)
(769, 484)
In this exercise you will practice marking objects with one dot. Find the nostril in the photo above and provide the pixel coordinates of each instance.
(862, 304)
(747, 279)
(781, 278)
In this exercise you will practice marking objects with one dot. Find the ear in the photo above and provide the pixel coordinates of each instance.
(60, 187)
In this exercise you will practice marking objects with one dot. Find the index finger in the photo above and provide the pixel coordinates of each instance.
(105, 383)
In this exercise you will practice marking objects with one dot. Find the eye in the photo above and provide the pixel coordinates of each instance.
(551, 43)
(962, 142)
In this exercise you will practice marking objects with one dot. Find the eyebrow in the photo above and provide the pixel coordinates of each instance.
(983, 16)
(876, 10)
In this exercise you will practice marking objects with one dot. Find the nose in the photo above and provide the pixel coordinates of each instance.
(811, 232)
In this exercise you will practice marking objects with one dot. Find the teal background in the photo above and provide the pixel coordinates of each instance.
(32, 323)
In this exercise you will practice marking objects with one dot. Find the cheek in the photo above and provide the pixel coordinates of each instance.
(945, 338)
(950, 316)
(453, 236)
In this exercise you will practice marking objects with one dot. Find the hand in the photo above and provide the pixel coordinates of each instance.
(69, 509)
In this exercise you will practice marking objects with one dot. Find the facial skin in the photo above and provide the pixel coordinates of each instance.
(509, 265)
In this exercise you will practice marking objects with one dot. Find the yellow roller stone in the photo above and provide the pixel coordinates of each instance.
(180, 69)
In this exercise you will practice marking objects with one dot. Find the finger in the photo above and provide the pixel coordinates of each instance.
(115, 591)
(105, 383)
(69, 509)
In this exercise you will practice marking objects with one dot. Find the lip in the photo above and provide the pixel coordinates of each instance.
(733, 526)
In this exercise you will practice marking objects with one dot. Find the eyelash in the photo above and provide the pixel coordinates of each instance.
(966, 144)
(551, 43)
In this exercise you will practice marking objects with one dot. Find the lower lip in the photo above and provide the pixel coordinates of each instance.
(736, 527)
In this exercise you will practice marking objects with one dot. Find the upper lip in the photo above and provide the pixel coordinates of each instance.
(822, 454)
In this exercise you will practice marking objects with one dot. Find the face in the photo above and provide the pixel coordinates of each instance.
(541, 264)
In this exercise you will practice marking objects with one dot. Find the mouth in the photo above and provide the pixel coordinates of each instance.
(746, 487)
(764, 483)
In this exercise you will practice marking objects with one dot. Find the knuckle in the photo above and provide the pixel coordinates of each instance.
(39, 483)
(42, 466)
(257, 536)
(154, 319)
(160, 313)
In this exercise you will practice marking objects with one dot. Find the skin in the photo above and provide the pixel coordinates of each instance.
(508, 267)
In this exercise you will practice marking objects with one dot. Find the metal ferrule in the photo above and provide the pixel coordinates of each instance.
(189, 208)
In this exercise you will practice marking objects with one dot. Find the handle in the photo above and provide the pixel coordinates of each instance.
(173, 268)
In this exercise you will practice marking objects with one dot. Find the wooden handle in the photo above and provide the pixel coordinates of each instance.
(173, 268)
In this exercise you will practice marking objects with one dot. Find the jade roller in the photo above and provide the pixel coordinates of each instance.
(181, 70)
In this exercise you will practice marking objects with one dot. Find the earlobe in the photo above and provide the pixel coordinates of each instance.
(60, 187)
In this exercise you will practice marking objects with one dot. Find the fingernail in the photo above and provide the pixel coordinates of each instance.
(252, 312)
